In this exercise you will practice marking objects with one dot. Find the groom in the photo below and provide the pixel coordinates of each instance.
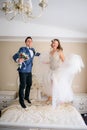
(24, 57)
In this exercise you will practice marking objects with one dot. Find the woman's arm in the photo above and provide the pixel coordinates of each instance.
(62, 56)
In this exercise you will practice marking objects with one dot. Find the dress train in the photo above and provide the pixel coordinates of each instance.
(57, 77)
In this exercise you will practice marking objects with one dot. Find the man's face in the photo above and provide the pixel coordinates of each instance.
(29, 42)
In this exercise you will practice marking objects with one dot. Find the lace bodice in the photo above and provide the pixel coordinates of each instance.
(55, 61)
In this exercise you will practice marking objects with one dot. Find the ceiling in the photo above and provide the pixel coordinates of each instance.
(62, 18)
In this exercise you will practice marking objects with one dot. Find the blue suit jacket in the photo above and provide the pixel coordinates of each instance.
(26, 65)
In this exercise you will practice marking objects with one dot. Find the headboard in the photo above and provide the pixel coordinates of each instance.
(37, 90)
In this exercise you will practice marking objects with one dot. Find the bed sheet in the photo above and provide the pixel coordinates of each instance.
(41, 113)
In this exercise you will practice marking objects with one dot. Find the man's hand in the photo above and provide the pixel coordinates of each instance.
(20, 60)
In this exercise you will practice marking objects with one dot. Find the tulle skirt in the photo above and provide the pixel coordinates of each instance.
(58, 82)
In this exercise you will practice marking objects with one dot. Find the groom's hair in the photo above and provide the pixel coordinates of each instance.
(27, 39)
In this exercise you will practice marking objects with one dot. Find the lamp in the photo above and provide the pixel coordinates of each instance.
(23, 7)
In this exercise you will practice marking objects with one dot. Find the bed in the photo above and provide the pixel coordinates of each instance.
(40, 115)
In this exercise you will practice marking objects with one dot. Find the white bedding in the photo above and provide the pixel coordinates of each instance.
(40, 113)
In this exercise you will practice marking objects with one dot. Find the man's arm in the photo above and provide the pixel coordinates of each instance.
(37, 54)
(15, 57)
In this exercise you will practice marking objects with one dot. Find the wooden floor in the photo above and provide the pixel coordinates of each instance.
(84, 116)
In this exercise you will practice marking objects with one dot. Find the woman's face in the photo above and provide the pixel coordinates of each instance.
(55, 44)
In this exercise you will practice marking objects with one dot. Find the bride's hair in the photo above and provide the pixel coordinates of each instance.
(59, 45)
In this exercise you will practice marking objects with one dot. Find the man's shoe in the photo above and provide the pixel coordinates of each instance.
(22, 104)
(28, 100)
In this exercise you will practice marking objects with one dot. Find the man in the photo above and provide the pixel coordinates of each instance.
(24, 57)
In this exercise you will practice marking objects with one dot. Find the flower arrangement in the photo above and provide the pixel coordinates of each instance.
(24, 56)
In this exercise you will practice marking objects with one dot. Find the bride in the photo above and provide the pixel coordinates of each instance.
(56, 73)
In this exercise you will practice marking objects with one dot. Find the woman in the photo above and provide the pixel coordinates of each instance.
(56, 73)
(56, 57)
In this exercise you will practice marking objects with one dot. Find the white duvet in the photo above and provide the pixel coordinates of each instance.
(40, 113)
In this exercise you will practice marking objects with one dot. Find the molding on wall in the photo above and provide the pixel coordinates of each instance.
(43, 39)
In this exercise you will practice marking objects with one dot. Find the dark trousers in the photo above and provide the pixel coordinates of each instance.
(25, 83)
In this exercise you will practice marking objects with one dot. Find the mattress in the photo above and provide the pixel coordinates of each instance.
(40, 113)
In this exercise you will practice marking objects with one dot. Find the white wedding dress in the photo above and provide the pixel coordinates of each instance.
(57, 76)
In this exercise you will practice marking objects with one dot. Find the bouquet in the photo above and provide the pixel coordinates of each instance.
(24, 56)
